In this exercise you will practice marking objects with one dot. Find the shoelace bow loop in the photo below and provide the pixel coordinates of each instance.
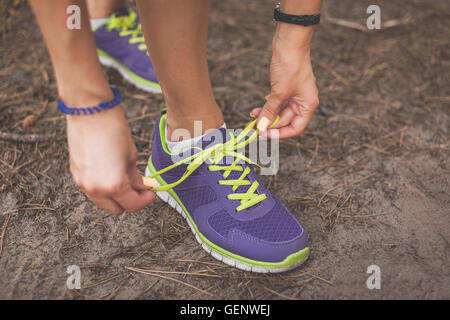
(127, 25)
(215, 154)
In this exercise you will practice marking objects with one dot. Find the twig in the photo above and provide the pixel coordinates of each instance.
(195, 294)
(6, 164)
(85, 295)
(28, 138)
(357, 26)
(312, 275)
(328, 191)
(376, 149)
(182, 272)
(367, 202)
(364, 216)
(114, 292)
(17, 169)
(250, 291)
(148, 288)
(333, 73)
(303, 286)
(316, 151)
(101, 281)
(169, 278)
(5, 225)
(400, 141)
(52, 119)
(438, 98)
(345, 201)
(342, 185)
(203, 262)
(319, 168)
(346, 23)
(10, 211)
(279, 294)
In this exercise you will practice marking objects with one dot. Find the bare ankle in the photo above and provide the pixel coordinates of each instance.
(186, 127)
(103, 8)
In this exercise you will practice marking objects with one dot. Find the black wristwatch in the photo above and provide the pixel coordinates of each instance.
(302, 20)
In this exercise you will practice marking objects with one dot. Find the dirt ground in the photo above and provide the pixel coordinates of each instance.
(371, 171)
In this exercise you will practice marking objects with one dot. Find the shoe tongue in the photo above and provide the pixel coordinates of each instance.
(214, 137)
(217, 136)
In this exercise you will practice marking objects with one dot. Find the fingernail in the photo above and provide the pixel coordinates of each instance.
(263, 124)
(252, 114)
(150, 182)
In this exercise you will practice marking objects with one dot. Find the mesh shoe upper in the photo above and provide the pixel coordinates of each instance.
(275, 226)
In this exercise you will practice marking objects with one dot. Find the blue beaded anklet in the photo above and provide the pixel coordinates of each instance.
(91, 110)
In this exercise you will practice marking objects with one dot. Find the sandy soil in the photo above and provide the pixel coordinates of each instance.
(371, 171)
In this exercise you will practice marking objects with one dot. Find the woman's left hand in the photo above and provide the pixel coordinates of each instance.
(294, 94)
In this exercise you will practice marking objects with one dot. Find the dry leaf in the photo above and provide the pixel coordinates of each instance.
(29, 121)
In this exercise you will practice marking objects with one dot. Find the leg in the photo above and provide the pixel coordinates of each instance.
(103, 8)
(84, 84)
(102, 152)
(176, 32)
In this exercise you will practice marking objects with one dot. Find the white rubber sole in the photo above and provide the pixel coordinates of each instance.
(166, 197)
(113, 64)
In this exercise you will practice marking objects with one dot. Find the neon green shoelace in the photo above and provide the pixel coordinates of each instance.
(128, 26)
(215, 154)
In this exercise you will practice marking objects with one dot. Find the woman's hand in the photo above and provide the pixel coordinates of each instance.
(294, 94)
(103, 162)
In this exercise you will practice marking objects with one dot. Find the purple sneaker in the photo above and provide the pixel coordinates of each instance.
(121, 45)
(232, 215)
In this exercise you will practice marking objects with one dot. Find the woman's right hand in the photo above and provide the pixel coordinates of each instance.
(103, 162)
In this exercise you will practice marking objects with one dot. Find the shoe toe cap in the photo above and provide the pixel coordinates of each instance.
(257, 249)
